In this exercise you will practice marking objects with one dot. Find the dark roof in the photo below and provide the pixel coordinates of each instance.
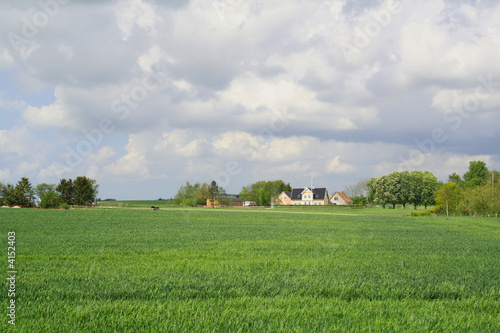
(233, 197)
(289, 193)
(319, 193)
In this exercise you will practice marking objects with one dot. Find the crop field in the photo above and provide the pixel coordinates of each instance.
(216, 270)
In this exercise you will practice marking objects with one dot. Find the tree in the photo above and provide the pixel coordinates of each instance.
(213, 192)
(483, 200)
(50, 199)
(454, 178)
(24, 192)
(405, 187)
(416, 188)
(393, 190)
(370, 194)
(42, 189)
(8, 194)
(477, 175)
(429, 187)
(358, 191)
(192, 195)
(261, 192)
(85, 190)
(448, 199)
(378, 191)
(66, 191)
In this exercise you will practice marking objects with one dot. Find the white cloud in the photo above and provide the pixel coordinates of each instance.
(180, 143)
(262, 83)
(150, 58)
(17, 140)
(136, 12)
(55, 115)
(472, 100)
(134, 164)
(336, 166)
(102, 155)
(11, 105)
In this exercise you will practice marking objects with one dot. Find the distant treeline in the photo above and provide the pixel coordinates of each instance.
(81, 191)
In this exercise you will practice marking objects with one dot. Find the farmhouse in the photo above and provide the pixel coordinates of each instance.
(309, 196)
(228, 200)
(340, 198)
(284, 198)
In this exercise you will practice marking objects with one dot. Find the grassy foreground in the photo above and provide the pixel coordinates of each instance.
(175, 270)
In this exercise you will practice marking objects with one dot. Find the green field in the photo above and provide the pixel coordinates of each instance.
(214, 270)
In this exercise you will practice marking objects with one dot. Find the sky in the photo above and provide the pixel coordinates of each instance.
(145, 95)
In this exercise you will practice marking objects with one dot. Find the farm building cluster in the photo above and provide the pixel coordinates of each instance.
(312, 196)
(297, 196)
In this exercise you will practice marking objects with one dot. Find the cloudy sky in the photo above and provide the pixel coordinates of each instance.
(145, 95)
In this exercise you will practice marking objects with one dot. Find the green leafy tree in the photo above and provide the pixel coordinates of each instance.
(405, 187)
(370, 193)
(42, 189)
(448, 199)
(192, 194)
(454, 178)
(50, 199)
(429, 187)
(393, 190)
(213, 192)
(379, 191)
(85, 190)
(483, 200)
(477, 175)
(8, 194)
(24, 192)
(261, 192)
(246, 193)
(66, 191)
(361, 200)
(416, 188)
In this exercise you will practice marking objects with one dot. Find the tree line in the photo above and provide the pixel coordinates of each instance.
(197, 194)
(260, 192)
(263, 191)
(477, 192)
(81, 191)
(403, 187)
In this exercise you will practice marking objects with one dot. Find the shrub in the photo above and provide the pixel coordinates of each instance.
(50, 200)
(421, 213)
(438, 210)
(65, 206)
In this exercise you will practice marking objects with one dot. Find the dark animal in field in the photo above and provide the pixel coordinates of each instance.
(155, 208)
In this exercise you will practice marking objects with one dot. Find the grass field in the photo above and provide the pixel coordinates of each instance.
(206, 270)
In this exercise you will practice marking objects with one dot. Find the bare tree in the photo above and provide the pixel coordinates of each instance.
(357, 190)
